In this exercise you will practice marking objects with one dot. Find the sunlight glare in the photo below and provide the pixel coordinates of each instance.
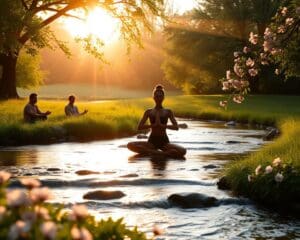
(98, 23)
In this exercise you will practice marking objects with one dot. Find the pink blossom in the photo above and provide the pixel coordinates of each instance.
(157, 230)
(267, 46)
(16, 198)
(40, 194)
(238, 70)
(277, 72)
(258, 170)
(245, 83)
(253, 72)
(4, 176)
(223, 103)
(281, 29)
(284, 11)
(236, 54)
(268, 169)
(18, 229)
(278, 177)
(42, 212)
(80, 234)
(246, 50)
(79, 212)
(237, 84)
(225, 85)
(276, 162)
(253, 38)
(250, 62)
(238, 99)
(49, 229)
(30, 182)
(250, 178)
(289, 21)
(228, 73)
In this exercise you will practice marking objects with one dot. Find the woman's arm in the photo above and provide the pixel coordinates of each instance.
(142, 125)
(174, 125)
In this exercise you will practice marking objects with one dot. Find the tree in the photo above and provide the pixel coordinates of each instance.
(210, 33)
(25, 24)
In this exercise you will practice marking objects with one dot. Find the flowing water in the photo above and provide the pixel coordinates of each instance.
(148, 183)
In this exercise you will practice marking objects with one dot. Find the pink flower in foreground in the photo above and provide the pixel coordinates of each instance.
(276, 162)
(253, 38)
(16, 198)
(268, 169)
(42, 212)
(258, 170)
(278, 177)
(18, 229)
(28, 217)
(157, 230)
(238, 99)
(40, 194)
(81, 234)
(30, 183)
(4, 176)
(79, 212)
(49, 230)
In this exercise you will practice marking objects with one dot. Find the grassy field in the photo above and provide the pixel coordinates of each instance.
(117, 118)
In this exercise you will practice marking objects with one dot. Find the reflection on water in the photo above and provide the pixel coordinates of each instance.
(148, 182)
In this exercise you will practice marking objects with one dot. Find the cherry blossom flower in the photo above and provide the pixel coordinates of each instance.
(246, 50)
(278, 177)
(289, 21)
(284, 11)
(238, 99)
(268, 169)
(238, 70)
(276, 162)
(277, 71)
(228, 74)
(237, 84)
(40, 194)
(80, 234)
(49, 229)
(245, 83)
(281, 29)
(30, 183)
(223, 103)
(253, 38)
(250, 62)
(79, 212)
(16, 198)
(225, 85)
(253, 72)
(18, 229)
(4, 176)
(267, 46)
(42, 212)
(258, 170)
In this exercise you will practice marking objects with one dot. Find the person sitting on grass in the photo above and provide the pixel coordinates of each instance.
(158, 141)
(71, 109)
(31, 111)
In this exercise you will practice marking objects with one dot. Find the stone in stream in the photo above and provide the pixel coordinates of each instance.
(103, 195)
(142, 136)
(192, 200)
(183, 125)
(234, 142)
(223, 183)
(132, 175)
(230, 124)
(271, 134)
(210, 166)
(53, 169)
(85, 172)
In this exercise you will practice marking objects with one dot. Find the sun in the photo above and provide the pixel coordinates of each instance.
(98, 23)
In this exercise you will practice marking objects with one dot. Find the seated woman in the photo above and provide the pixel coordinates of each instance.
(158, 141)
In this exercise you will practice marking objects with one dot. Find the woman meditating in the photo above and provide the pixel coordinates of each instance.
(158, 141)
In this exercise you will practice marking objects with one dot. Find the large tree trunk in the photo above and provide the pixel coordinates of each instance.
(8, 81)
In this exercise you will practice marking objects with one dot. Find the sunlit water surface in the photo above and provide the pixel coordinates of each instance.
(151, 181)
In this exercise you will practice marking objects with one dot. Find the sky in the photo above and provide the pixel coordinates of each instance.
(181, 6)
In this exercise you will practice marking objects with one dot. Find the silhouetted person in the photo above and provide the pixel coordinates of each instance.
(31, 111)
(71, 109)
(158, 139)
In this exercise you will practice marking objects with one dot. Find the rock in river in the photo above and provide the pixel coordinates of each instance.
(103, 195)
(192, 200)
(86, 172)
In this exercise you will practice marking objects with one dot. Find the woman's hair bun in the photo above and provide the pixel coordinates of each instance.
(159, 87)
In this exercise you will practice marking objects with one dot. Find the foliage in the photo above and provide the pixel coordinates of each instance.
(29, 74)
(26, 215)
(279, 47)
(200, 44)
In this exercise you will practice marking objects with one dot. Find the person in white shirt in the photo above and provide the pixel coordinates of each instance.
(31, 111)
(71, 109)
